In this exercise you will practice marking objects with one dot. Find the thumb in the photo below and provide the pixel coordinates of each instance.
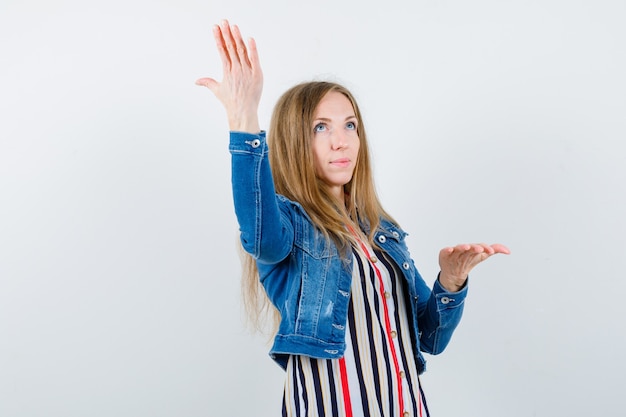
(209, 83)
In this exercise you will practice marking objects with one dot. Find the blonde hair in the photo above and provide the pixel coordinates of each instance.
(291, 160)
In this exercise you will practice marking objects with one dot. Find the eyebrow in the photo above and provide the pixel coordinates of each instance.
(326, 119)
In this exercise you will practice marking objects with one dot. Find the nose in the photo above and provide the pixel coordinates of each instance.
(338, 139)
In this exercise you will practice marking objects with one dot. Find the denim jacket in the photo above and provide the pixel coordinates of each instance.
(304, 275)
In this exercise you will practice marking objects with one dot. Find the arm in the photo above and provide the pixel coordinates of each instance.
(265, 233)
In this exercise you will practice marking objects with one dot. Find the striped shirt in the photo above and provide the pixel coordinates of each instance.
(377, 377)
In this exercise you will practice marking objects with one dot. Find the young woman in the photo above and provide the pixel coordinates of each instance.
(353, 312)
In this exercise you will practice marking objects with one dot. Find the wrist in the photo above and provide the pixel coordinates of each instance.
(451, 283)
(244, 120)
(246, 125)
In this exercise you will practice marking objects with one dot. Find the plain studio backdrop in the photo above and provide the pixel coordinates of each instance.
(494, 121)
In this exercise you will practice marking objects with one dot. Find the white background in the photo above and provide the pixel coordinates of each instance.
(496, 121)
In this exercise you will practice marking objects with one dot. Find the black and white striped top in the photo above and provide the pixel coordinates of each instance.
(377, 377)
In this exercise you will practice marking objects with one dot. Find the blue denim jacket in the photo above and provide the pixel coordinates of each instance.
(307, 280)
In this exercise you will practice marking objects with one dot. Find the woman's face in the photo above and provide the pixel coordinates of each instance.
(335, 141)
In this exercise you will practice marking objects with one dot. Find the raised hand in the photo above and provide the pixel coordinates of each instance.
(457, 262)
(242, 83)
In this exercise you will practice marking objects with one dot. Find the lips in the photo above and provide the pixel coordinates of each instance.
(341, 162)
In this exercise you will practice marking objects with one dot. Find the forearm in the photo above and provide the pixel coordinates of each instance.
(265, 234)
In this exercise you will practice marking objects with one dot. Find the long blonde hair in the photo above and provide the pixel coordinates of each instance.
(291, 160)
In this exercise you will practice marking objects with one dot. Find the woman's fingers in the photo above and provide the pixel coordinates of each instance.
(240, 47)
(478, 248)
(227, 44)
(460, 259)
(253, 55)
(234, 53)
(499, 248)
(221, 47)
(230, 43)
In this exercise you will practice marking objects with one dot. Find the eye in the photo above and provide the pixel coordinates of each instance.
(320, 127)
(351, 125)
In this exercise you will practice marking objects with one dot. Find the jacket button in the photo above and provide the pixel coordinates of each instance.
(405, 265)
(255, 143)
(445, 300)
(382, 239)
(395, 234)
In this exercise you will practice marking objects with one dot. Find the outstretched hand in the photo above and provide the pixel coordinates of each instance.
(457, 262)
(242, 84)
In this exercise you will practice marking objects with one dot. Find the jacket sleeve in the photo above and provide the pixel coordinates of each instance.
(439, 316)
(266, 233)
